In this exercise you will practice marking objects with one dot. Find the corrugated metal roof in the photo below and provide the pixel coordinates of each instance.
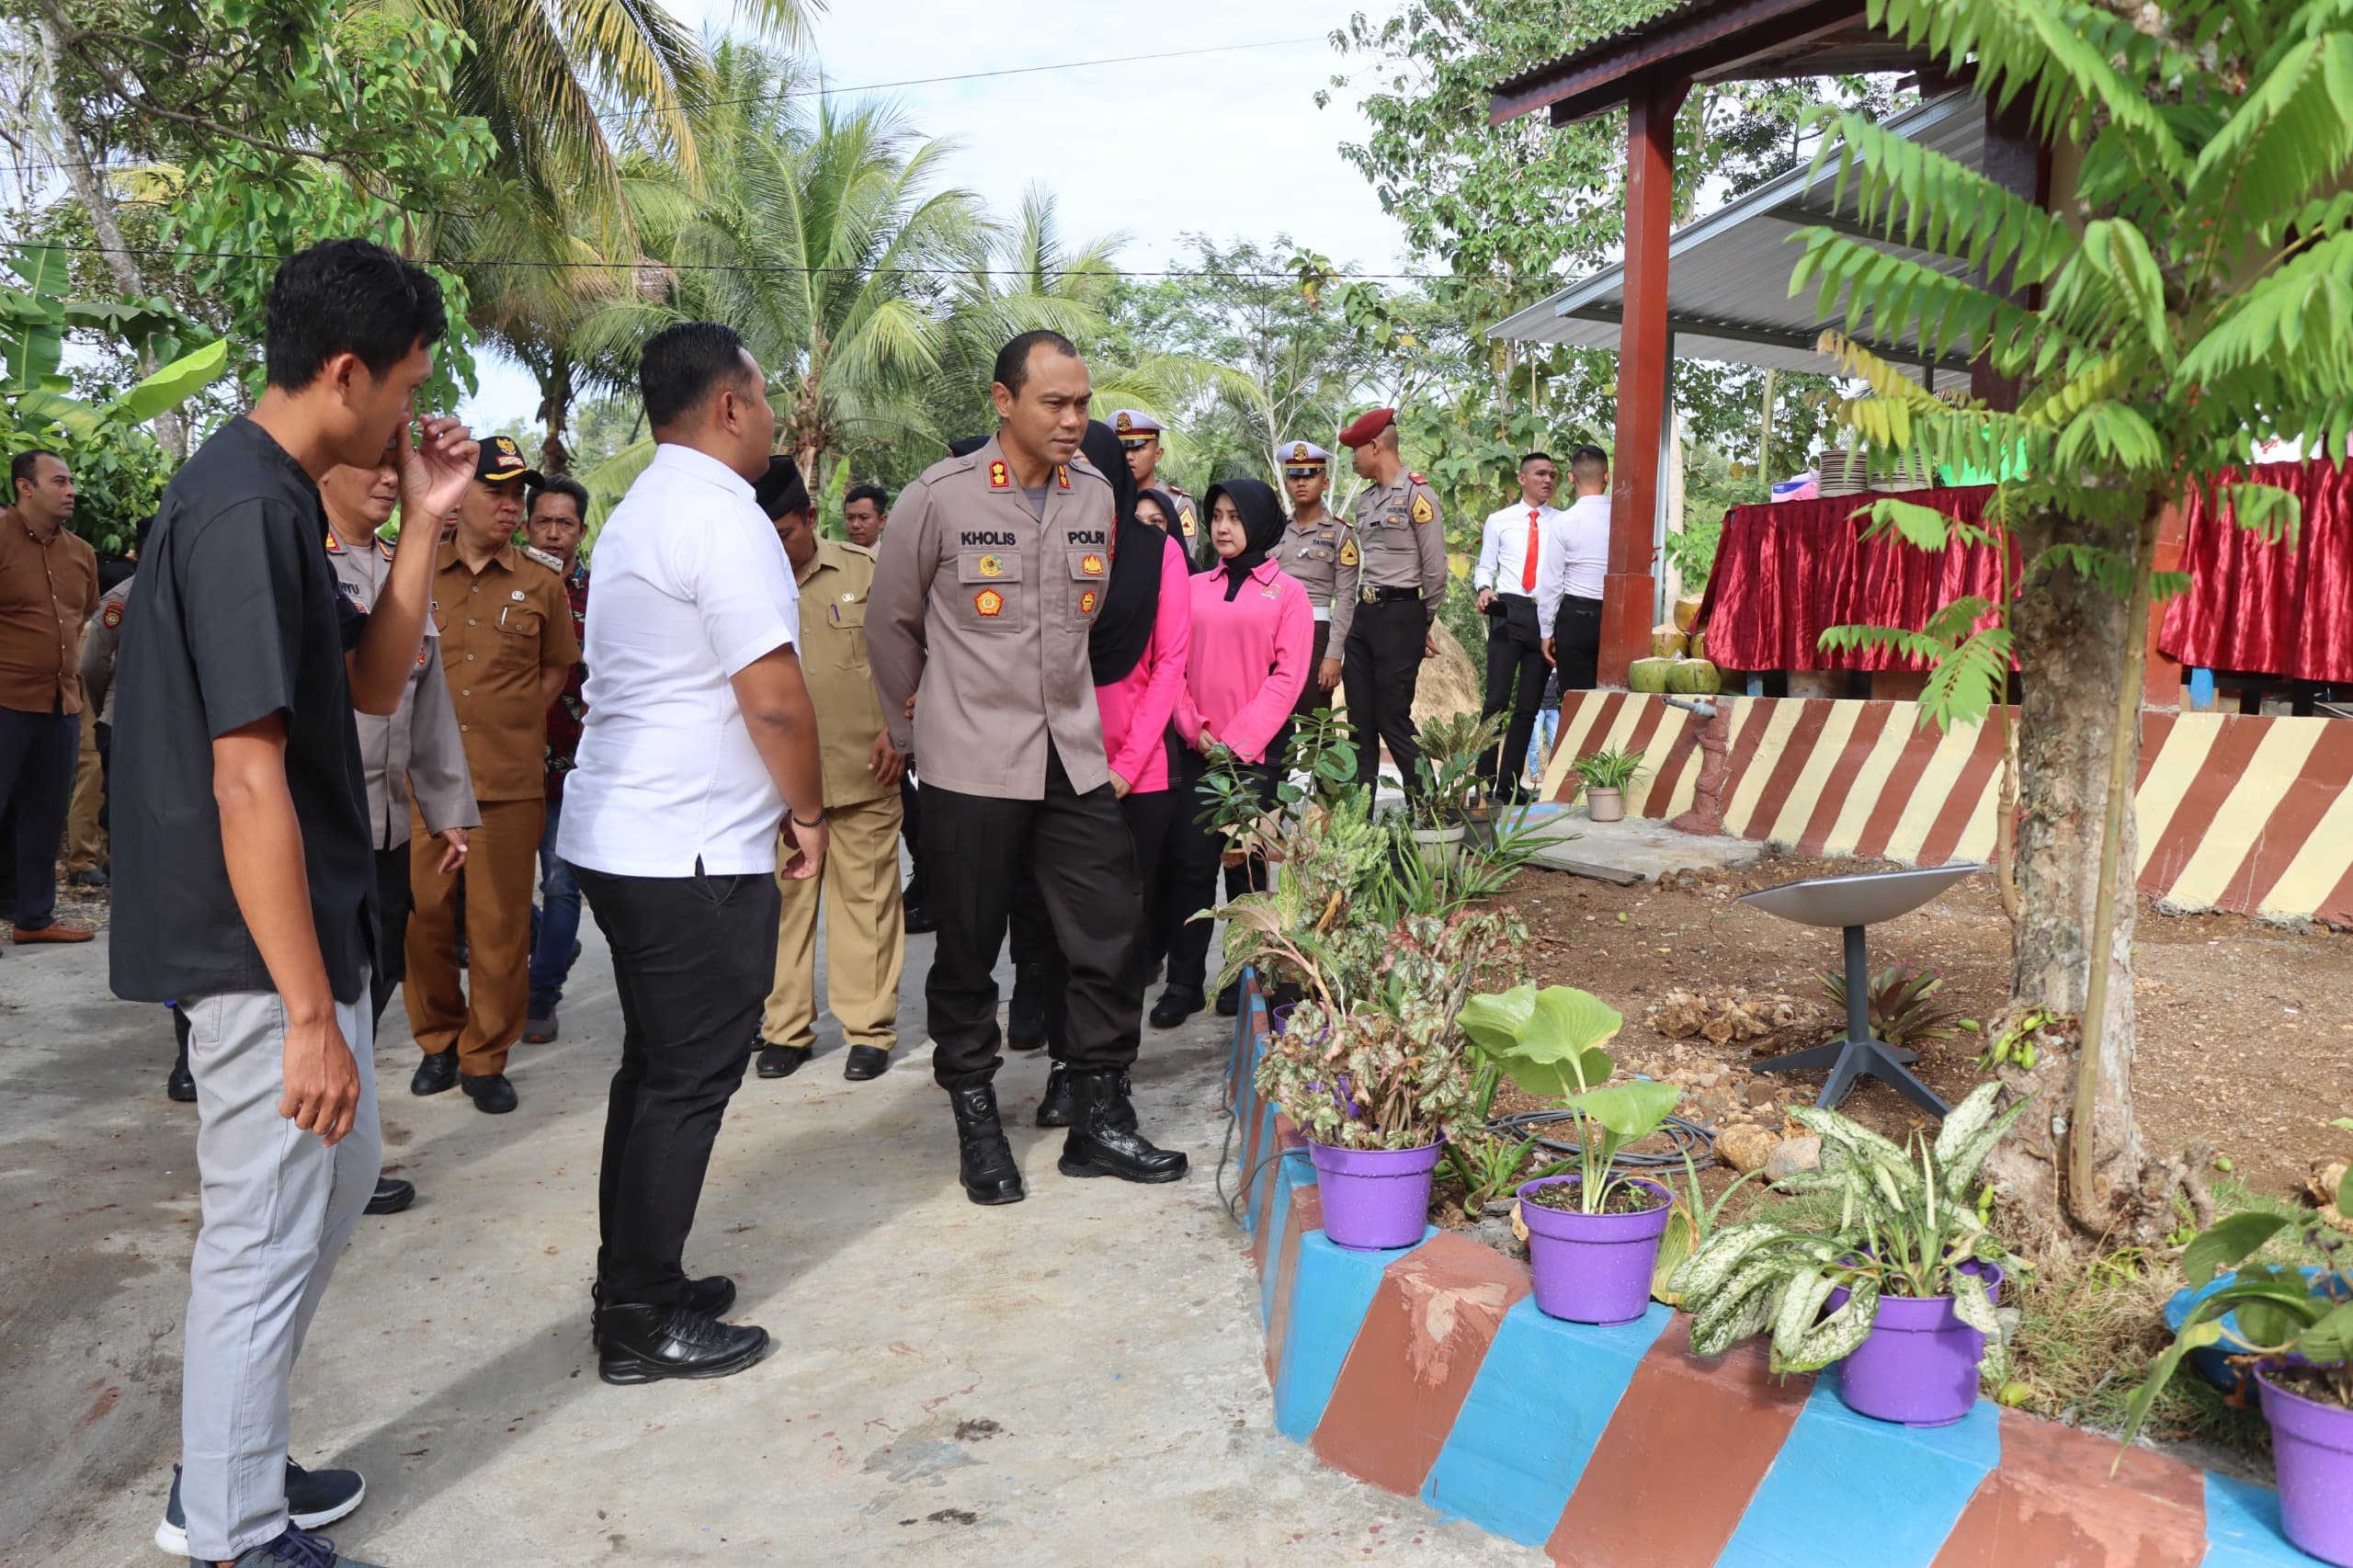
(1728, 274)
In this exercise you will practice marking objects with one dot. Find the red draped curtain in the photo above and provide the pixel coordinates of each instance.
(2265, 608)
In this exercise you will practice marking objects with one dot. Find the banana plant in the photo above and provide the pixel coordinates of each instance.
(35, 317)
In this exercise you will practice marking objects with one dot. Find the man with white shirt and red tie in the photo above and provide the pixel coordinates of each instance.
(1568, 585)
(1511, 556)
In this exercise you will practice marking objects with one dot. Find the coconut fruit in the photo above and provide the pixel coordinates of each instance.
(1648, 675)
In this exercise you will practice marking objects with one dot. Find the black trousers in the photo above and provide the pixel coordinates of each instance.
(1382, 663)
(1202, 851)
(38, 754)
(693, 959)
(1576, 643)
(388, 966)
(1078, 848)
(911, 830)
(1515, 674)
(1147, 814)
(104, 732)
(1313, 696)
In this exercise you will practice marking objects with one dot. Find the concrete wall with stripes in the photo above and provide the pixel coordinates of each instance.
(2253, 815)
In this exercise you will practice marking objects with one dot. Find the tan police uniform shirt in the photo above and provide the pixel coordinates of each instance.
(1323, 555)
(99, 641)
(499, 629)
(47, 592)
(1402, 536)
(981, 611)
(414, 752)
(834, 586)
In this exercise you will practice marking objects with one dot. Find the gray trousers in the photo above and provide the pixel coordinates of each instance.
(278, 1206)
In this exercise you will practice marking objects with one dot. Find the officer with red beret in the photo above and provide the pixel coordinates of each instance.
(1401, 537)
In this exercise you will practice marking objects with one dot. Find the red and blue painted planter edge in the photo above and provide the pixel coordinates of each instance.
(1429, 1372)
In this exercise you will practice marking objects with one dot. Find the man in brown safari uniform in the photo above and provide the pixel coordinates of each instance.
(991, 576)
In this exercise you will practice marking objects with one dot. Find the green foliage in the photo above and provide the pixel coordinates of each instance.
(1903, 1004)
(1610, 768)
(1690, 1225)
(1549, 1043)
(1448, 770)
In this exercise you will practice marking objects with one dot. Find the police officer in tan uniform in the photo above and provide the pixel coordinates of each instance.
(1139, 434)
(991, 576)
(1402, 539)
(1320, 550)
(507, 647)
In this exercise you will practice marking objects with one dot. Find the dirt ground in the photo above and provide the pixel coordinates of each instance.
(2245, 1042)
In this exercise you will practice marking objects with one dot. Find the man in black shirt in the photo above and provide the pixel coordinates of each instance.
(252, 903)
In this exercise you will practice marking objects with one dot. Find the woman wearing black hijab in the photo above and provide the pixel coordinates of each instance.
(1254, 631)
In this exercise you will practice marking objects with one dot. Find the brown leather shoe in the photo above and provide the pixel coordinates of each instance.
(56, 931)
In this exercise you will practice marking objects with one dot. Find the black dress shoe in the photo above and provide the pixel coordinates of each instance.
(1059, 1103)
(437, 1072)
(710, 1296)
(983, 1159)
(392, 1195)
(645, 1344)
(491, 1093)
(1025, 1016)
(1103, 1140)
(179, 1084)
(919, 921)
(782, 1060)
(866, 1062)
(1229, 1002)
(1176, 1004)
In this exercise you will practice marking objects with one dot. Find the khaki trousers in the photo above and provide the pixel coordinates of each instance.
(86, 843)
(865, 934)
(485, 1016)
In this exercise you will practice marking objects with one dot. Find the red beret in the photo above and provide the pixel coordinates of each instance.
(1365, 428)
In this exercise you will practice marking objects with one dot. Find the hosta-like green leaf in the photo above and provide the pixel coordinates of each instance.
(1630, 1110)
(1494, 1019)
(2226, 1242)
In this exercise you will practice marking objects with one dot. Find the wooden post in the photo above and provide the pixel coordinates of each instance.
(1645, 352)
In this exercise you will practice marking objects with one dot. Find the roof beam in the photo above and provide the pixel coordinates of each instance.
(1766, 336)
(1735, 36)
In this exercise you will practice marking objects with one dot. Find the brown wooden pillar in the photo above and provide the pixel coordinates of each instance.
(1646, 350)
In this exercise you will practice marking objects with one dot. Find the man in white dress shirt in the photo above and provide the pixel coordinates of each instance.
(699, 741)
(1568, 588)
(1511, 556)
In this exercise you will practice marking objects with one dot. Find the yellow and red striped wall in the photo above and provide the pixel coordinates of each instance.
(2253, 815)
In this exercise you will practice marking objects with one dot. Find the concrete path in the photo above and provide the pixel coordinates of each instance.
(1074, 1380)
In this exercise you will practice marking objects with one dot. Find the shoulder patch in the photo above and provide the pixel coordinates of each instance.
(530, 553)
(112, 615)
(1184, 521)
(1423, 510)
(1000, 476)
(1416, 478)
(335, 545)
(1348, 553)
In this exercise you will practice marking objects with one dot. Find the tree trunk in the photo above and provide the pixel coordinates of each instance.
(556, 393)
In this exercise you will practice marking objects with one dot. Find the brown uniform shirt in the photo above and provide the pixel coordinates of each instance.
(47, 592)
(498, 629)
(1402, 536)
(1323, 555)
(833, 590)
(981, 611)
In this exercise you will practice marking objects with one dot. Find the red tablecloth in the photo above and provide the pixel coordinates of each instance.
(2276, 610)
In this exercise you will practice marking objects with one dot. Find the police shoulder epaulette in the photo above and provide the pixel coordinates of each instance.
(542, 557)
(1416, 478)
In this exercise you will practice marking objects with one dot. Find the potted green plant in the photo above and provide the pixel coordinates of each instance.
(1593, 1236)
(1901, 1289)
(1449, 789)
(2293, 1321)
(1233, 807)
(1324, 748)
(1605, 775)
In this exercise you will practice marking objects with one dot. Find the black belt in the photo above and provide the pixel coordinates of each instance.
(1372, 596)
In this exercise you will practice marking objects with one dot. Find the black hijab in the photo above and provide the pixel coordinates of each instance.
(1132, 599)
(1262, 523)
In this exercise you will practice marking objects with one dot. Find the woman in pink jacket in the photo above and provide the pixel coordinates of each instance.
(1253, 634)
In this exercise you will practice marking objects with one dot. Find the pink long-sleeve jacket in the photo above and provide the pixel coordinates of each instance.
(1136, 707)
(1248, 661)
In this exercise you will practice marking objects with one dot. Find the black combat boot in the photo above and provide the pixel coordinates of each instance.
(1060, 1102)
(1025, 1016)
(984, 1160)
(1103, 1139)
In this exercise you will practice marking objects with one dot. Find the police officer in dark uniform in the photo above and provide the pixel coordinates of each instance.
(1402, 538)
(1320, 550)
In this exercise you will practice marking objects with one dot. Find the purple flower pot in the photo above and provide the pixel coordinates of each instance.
(1592, 1267)
(1919, 1366)
(2312, 1449)
(1374, 1199)
(1279, 1019)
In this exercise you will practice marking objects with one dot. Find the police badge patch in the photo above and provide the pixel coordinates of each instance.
(1185, 520)
(113, 616)
(988, 601)
(1348, 553)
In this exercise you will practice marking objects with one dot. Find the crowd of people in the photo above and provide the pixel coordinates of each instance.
(1020, 673)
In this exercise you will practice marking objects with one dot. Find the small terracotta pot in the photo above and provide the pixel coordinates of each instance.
(1606, 806)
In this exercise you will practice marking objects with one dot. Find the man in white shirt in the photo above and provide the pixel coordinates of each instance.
(700, 739)
(1511, 561)
(1568, 588)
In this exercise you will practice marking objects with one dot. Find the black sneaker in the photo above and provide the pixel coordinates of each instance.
(491, 1093)
(645, 1345)
(392, 1196)
(314, 1497)
(295, 1549)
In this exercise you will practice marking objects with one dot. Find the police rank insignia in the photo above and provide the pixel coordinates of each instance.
(1087, 602)
(1091, 565)
(988, 601)
(990, 566)
(1423, 510)
(1000, 476)
(114, 615)
(1298, 451)
(1061, 475)
(1348, 553)
(1185, 520)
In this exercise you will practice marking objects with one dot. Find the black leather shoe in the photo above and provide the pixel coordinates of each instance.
(710, 1296)
(782, 1060)
(392, 1196)
(645, 1344)
(1176, 1004)
(1103, 1140)
(1229, 1002)
(179, 1084)
(919, 921)
(984, 1160)
(866, 1062)
(1060, 1103)
(1025, 1016)
(436, 1072)
(491, 1093)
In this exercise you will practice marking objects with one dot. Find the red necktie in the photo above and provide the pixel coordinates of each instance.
(1528, 566)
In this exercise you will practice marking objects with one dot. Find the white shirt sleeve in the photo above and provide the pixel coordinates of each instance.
(1551, 572)
(1490, 541)
(748, 602)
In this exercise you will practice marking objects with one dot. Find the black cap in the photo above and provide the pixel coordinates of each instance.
(780, 489)
(501, 459)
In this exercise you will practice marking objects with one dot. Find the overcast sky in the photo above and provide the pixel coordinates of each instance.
(1231, 145)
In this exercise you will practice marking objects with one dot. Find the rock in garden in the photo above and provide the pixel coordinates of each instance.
(1746, 1148)
(1791, 1156)
(1760, 1091)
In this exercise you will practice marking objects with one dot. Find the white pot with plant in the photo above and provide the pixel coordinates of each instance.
(1605, 774)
